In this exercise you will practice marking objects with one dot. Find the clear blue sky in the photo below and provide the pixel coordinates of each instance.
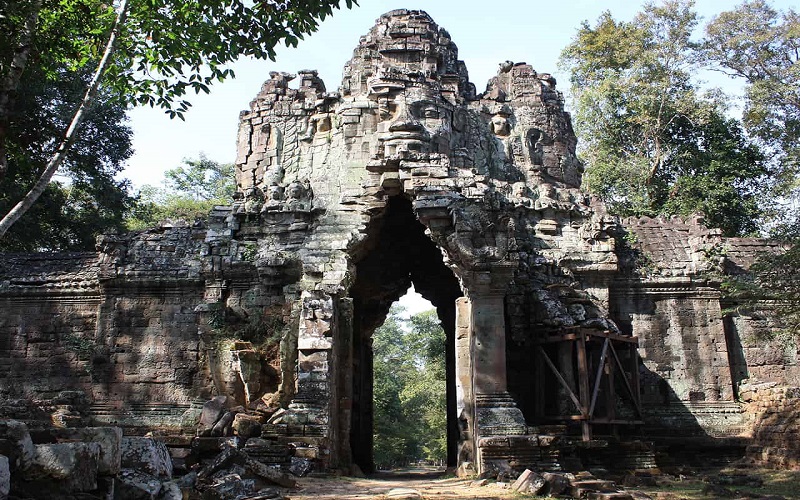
(486, 33)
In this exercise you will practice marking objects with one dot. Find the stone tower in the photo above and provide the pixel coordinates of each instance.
(407, 175)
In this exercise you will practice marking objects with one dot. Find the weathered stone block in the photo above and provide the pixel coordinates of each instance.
(109, 440)
(147, 455)
(75, 465)
(137, 485)
(5, 477)
(212, 412)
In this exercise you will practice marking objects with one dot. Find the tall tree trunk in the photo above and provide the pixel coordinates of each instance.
(72, 131)
(10, 80)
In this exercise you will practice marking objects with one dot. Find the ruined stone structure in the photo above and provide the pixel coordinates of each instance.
(405, 175)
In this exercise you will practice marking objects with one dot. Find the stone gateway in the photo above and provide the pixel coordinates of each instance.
(566, 326)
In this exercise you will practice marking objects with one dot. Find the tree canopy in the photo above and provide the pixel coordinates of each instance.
(654, 142)
(189, 192)
(86, 198)
(761, 46)
(150, 52)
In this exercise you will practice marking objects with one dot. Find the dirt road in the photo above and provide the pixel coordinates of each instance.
(430, 483)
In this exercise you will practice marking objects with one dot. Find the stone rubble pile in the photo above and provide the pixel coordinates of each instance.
(99, 462)
(558, 484)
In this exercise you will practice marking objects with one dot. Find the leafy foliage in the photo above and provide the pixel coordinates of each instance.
(772, 278)
(409, 390)
(189, 192)
(166, 47)
(145, 52)
(756, 43)
(653, 143)
(87, 199)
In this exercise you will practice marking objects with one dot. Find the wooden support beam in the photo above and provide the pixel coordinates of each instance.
(562, 337)
(560, 378)
(538, 385)
(598, 378)
(583, 388)
(634, 353)
(611, 395)
(634, 395)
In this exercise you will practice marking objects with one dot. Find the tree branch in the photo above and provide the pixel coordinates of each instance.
(69, 136)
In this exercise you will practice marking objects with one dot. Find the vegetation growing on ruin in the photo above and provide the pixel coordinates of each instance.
(189, 192)
(263, 329)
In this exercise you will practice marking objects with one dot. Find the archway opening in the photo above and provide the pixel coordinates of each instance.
(409, 387)
(397, 255)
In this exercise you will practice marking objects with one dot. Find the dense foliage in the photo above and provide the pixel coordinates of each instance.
(189, 192)
(86, 198)
(148, 52)
(761, 46)
(409, 390)
(654, 143)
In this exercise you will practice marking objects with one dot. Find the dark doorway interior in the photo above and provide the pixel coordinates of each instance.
(396, 255)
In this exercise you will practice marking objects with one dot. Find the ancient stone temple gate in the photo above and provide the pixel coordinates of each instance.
(408, 175)
(405, 175)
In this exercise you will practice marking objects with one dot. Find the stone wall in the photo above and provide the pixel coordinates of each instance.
(695, 351)
(775, 433)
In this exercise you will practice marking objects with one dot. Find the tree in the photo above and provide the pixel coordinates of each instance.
(146, 51)
(409, 390)
(190, 191)
(653, 143)
(760, 45)
(87, 198)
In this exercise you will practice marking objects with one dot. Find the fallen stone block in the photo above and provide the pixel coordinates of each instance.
(529, 482)
(557, 483)
(270, 474)
(211, 413)
(223, 425)
(246, 426)
(582, 488)
(5, 477)
(74, 465)
(266, 494)
(16, 444)
(108, 438)
(230, 487)
(147, 455)
(227, 456)
(301, 467)
(136, 485)
(170, 491)
(231, 456)
(521, 484)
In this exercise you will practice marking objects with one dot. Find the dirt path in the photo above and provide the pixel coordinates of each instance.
(432, 483)
(429, 482)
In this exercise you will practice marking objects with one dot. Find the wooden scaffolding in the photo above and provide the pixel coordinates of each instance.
(594, 359)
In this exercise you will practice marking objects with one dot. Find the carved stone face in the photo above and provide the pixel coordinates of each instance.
(500, 126)
(295, 191)
(275, 192)
(414, 120)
